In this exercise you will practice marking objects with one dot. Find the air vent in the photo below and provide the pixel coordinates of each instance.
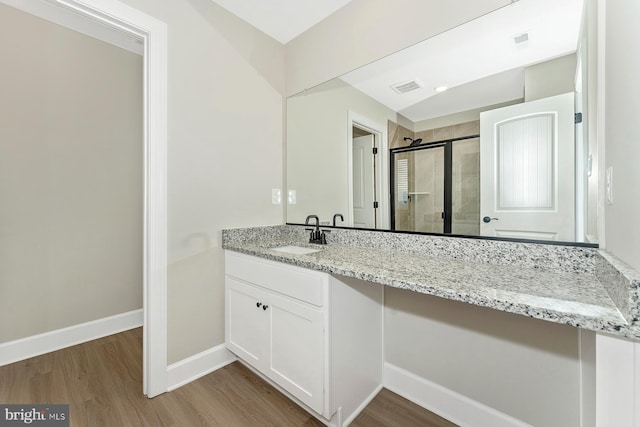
(521, 38)
(407, 86)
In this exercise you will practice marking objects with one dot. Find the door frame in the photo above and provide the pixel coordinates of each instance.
(154, 35)
(364, 174)
(382, 175)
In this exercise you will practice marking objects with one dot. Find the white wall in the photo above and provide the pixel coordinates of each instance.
(317, 154)
(70, 177)
(225, 131)
(528, 369)
(622, 132)
(550, 78)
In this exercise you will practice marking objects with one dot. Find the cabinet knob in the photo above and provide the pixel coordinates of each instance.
(258, 304)
(264, 307)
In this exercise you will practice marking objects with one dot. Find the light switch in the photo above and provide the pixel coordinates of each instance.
(276, 196)
(291, 197)
(608, 185)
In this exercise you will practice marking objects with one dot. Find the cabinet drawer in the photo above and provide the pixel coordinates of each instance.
(305, 285)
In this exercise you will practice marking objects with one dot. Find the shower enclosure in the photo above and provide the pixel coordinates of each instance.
(435, 187)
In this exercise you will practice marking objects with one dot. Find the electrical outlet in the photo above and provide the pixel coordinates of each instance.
(608, 185)
(276, 196)
(291, 197)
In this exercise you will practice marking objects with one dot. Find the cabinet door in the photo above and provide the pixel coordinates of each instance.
(246, 325)
(296, 349)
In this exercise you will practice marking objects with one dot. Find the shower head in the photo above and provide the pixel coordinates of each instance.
(414, 142)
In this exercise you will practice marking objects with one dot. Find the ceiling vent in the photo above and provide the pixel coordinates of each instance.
(405, 87)
(521, 38)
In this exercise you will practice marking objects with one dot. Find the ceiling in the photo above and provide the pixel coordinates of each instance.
(282, 19)
(478, 61)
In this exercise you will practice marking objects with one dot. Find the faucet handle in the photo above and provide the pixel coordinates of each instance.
(323, 237)
(312, 234)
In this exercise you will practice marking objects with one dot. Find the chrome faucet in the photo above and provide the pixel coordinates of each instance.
(316, 236)
(334, 218)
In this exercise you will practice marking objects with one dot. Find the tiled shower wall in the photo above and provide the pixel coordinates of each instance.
(396, 134)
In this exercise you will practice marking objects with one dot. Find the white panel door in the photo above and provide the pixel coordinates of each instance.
(364, 182)
(246, 328)
(527, 170)
(296, 349)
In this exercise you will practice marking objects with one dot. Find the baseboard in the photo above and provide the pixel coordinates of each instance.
(198, 365)
(35, 345)
(448, 404)
(363, 405)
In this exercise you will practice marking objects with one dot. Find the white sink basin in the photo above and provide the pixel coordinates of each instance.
(296, 250)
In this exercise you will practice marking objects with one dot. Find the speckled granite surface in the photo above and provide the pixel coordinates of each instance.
(623, 285)
(554, 283)
(540, 257)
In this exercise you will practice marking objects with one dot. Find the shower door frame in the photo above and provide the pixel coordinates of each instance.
(448, 179)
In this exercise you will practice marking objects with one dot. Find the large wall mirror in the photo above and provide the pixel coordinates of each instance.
(478, 131)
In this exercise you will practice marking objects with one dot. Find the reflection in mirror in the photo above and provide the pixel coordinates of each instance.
(435, 187)
(419, 177)
(388, 148)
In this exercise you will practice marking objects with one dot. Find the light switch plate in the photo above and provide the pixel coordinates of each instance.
(276, 196)
(291, 197)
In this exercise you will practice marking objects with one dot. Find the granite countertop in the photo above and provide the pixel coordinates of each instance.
(576, 299)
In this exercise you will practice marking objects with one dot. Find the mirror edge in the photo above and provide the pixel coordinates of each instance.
(462, 236)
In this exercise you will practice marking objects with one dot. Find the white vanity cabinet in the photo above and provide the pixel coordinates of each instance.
(281, 335)
(280, 319)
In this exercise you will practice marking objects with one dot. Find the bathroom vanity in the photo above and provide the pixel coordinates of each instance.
(303, 329)
(312, 323)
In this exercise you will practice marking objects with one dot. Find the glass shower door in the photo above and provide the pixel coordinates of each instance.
(465, 181)
(419, 192)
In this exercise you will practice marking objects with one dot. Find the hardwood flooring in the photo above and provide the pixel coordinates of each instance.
(102, 382)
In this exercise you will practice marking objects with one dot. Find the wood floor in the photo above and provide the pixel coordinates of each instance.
(102, 382)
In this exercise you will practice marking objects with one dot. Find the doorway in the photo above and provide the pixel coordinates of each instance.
(366, 155)
(153, 35)
(365, 204)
